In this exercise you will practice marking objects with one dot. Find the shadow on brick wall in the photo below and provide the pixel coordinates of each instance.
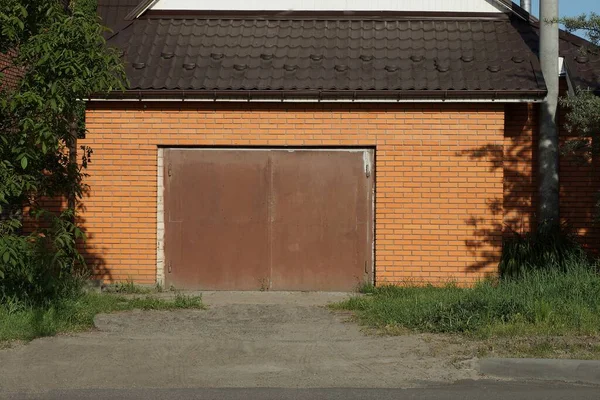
(95, 264)
(514, 211)
(517, 159)
(485, 242)
(580, 196)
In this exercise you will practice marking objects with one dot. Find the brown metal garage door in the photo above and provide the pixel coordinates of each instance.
(268, 219)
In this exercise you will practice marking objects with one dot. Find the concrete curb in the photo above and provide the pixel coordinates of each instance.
(542, 369)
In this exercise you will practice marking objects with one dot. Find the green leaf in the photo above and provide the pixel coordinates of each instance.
(62, 58)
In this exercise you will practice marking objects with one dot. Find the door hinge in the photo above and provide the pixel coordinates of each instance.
(367, 163)
(169, 170)
(169, 268)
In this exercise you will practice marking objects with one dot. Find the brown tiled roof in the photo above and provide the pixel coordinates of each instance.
(583, 67)
(582, 59)
(113, 13)
(386, 55)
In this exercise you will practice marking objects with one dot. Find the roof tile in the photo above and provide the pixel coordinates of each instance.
(301, 53)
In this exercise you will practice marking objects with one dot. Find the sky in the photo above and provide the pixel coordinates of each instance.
(569, 8)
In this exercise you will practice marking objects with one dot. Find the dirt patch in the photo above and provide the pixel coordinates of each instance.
(260, 340)
(561, 347)
(464, 347)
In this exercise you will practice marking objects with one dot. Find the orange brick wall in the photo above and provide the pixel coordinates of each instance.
(579, 183)
(434, 185)
(579, 191)
(10, 75)
(520, 167)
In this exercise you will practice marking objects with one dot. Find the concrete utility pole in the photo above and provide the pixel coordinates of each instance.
(526, 5)
(548, 145)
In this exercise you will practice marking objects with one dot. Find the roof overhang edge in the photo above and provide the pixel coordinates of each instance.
(531, 96)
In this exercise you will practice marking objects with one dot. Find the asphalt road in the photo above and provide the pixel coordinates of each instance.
(463, 390)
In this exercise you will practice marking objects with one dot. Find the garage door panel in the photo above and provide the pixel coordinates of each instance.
(227, 186)
(318, 241)
(221, 209)
(276, 219)
(230, 258)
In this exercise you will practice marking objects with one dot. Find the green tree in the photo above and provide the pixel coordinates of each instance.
(590, 24)
(61, 59)
(583, 116)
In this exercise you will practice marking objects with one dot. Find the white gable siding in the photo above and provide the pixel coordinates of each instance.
(332, 5)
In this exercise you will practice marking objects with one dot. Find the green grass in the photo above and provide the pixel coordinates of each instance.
(366, 288)
(128, 287)
(538, 303)
(75, 315)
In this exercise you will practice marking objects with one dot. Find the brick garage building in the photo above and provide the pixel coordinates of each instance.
(242, 136)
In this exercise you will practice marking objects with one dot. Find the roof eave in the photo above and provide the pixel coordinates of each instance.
(349, 96)
(325, 15)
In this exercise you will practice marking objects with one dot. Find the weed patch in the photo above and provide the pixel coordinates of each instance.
(548, 248)
(538, 303)
(129, 287)
(77, 314)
